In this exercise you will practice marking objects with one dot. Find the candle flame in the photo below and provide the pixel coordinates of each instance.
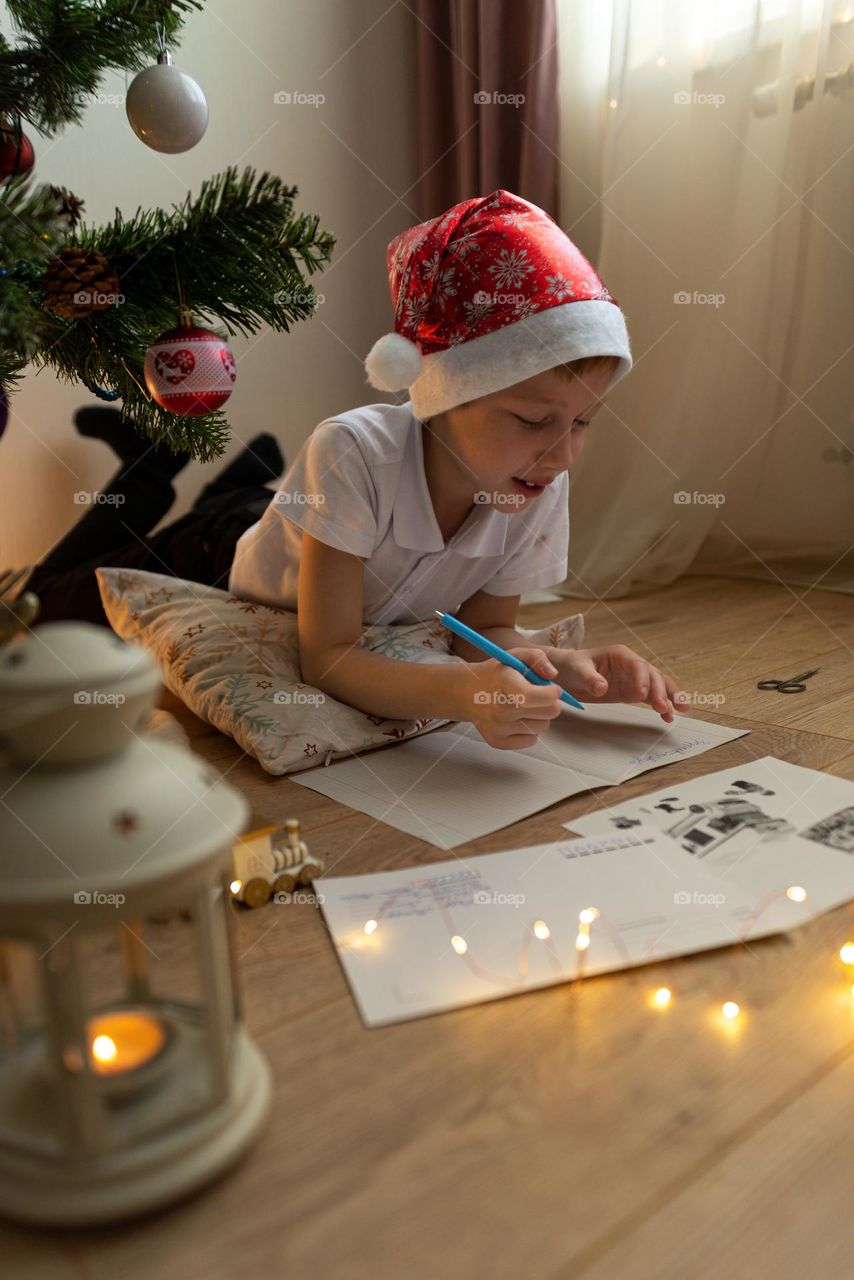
(104, 1048)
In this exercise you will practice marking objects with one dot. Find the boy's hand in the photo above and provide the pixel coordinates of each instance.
(617, 674)
(507, 710)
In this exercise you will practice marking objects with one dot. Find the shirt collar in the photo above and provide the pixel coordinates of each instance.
(483, 532)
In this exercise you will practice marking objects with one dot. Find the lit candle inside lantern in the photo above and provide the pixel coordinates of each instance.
(124, 1040)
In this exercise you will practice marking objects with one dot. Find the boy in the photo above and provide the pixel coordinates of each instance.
(457, 499)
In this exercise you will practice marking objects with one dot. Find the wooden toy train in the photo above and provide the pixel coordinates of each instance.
(267, 860)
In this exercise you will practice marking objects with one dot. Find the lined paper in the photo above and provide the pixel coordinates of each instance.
(449, 786)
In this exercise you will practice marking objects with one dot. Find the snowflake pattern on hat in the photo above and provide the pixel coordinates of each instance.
(484, 264)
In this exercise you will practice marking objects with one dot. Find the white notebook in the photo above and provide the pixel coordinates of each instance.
(450, 786)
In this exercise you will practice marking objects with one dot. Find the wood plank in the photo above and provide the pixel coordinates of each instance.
(778, 1203)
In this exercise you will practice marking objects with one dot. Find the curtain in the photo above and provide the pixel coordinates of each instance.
(487, 101)
(706, 169)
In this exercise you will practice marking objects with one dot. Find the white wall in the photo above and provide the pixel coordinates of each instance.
(350, 158)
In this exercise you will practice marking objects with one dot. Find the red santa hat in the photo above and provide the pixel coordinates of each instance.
(486, 295)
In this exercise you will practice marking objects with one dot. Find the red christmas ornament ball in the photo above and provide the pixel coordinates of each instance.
(17, 156)
(190, 371)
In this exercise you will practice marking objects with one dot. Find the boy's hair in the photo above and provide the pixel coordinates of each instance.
(587, 364)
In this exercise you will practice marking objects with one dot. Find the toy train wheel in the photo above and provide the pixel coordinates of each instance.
(256, 892)
(285, 883)
(308, 872)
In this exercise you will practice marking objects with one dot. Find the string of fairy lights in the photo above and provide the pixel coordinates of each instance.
(661, 998)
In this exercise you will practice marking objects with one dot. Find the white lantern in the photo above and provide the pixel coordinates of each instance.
(127, 1077)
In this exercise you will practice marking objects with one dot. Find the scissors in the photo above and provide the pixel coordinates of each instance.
(794, 684)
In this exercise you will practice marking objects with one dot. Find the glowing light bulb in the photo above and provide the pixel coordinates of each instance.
(730, 1009)
(588, 915)
(846, 953)
(613, 104)
(104, 1048)
(660, 61)
(459, 944)
(796, 893)
(541, 930)
(236, 886)
(371, 926)
(662, 997)
(582, 942)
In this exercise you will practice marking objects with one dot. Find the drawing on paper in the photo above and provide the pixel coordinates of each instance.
(702, 827)
(835, 831)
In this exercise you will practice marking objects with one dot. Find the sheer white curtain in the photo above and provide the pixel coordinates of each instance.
(707, 170)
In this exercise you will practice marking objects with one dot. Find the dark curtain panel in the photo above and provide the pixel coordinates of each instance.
(475, 57)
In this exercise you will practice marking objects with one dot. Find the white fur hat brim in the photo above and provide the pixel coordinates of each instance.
(558, 335)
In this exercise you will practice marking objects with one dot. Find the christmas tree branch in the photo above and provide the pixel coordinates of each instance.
(235, 255)
(29, 229)
(66, 45)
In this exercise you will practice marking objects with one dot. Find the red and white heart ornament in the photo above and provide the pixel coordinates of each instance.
(189, 370)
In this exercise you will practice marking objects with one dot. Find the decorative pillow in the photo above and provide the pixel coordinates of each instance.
(235, 663)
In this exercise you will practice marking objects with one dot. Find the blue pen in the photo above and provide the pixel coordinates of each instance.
(495, 651)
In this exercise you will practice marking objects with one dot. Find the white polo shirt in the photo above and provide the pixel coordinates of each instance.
(358, 484)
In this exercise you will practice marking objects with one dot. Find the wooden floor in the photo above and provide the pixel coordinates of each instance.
(566, 1134)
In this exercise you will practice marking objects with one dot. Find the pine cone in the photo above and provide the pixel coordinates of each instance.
(68, 207)
(79, 281)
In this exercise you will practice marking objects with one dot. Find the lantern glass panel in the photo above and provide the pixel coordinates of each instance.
(25, 1091)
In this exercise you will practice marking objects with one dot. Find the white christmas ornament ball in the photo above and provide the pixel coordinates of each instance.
(166, 108)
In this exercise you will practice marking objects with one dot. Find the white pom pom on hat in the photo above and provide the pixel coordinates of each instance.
(393, 363)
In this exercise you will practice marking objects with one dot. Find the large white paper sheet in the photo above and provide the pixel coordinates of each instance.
(655, 901)
(763, 826)
(450, 786)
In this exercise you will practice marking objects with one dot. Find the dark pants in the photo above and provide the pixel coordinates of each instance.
(198, 546)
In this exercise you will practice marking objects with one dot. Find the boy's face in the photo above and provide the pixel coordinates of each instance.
(491, 438)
